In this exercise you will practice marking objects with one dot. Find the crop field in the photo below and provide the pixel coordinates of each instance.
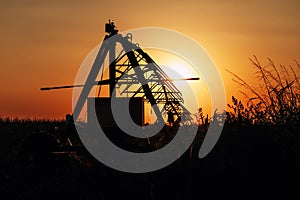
(260, 142)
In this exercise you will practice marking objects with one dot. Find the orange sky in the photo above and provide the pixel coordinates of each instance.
(44, 43)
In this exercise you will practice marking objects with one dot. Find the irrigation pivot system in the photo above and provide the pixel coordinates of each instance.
(135, 75)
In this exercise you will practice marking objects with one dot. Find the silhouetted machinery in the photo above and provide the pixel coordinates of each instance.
(136, 76)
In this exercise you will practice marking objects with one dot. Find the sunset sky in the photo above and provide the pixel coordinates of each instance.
(44, 43)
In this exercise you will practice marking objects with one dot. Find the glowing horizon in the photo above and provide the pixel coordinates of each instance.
(44, 43)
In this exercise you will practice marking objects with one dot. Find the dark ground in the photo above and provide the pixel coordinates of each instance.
(250, 159)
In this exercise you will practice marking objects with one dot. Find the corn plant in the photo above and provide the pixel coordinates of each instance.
(275, 101)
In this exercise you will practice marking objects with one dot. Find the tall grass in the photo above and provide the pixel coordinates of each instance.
(276, 100)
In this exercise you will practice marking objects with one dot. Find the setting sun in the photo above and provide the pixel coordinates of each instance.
(178, 69)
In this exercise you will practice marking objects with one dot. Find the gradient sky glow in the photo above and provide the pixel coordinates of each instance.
(44, 43)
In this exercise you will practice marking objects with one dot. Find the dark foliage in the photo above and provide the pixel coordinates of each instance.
(260, 143)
